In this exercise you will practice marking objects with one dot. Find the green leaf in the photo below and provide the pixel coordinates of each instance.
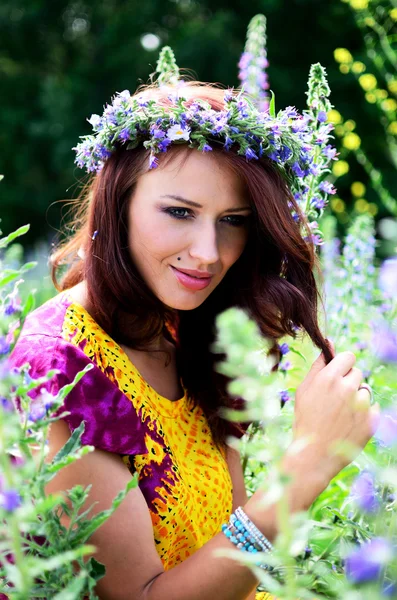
(63, 392)
(272, 105)
(38, 566)
(12, 236)
(96, 571)
(73, 444)
(75, 588)
(87, 529)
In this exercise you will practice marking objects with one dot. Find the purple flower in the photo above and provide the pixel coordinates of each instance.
(163, 145)
(37, 411)
(322, 116)
(6, 404)
(153, 161)
(318, 203)
(388, 277)
(250, 154)
(327, 187)
(385, 343)
(228, 143)
(124, 135)
(366, 562)
(206, 148)
(285, 366)
(4, 346)
(363, 492)
(330, 152)
(284, 397)
(10, 500)
(386, 432)
(159, 134)
(95, 121)
(284, 349)
(299, 172)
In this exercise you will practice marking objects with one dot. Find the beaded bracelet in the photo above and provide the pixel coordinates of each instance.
(245, 535)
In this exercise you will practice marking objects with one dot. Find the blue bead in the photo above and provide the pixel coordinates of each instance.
(237, 522)
(228, 533)
(251, 548)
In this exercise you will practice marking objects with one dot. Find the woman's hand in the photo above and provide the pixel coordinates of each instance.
(329, 408)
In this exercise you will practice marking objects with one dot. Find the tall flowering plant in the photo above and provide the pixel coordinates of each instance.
(40, 556)
(253, 63)
(345, 546)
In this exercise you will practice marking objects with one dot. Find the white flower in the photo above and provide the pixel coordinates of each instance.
(177, 133)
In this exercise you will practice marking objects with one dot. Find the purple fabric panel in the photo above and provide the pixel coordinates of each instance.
(111, 421)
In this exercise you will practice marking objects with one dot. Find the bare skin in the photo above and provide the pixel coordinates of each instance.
(328, 405)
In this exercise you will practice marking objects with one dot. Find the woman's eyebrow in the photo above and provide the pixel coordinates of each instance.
(196, 205)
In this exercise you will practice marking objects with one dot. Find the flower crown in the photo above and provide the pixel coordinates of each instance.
(295, 143)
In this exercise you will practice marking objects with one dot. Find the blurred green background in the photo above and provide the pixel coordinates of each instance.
(61, 61)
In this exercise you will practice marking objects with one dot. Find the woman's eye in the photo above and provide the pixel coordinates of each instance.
(176, 212)
(185, 213)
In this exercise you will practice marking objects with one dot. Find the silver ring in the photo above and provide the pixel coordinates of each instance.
(365, 386)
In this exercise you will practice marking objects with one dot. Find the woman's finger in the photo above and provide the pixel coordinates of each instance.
(362, 399)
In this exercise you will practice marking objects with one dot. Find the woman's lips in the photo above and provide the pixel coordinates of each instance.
(192, 283)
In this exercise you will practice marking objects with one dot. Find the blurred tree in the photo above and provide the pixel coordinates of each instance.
(61, 61)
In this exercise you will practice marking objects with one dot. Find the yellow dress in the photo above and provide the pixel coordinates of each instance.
(183, 476)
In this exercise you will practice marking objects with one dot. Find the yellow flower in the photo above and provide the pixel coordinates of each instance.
(334, 117)
(357, 189)
(373, 209)
(351, 141)
(369, 21)
(361, 205)
(339, 130)
(368, 82)
(392, 129)
(381, 94)
(350, 125)
(389, 105)
(358, 67)
(370, 97)
(344, 69)
(393, 14)
(392, 85)
(339, 168)
(359, 4)
(337, 205)
(342, 55)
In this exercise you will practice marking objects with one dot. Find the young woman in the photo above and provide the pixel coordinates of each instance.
(156, 255)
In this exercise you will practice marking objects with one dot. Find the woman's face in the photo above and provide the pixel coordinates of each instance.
(167, 233)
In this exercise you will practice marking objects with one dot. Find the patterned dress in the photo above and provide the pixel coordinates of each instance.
(182, 475)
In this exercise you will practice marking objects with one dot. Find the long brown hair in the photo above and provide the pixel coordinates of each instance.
(273, 280)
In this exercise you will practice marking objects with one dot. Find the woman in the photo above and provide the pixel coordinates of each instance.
(157, 254)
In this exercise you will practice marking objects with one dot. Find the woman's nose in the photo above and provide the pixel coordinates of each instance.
(204, 245)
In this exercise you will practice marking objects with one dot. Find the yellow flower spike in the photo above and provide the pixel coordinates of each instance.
(369, 21)
(359, 4)
(350, 125)
(373, 209)
(392, 129)
(368, 82)
(357, 189)
(361, 205)
(344, 69)
(337, 205)
(370, 97)
(340, 168)
(343, 218)
(334, 117)
(342, 55)
(392, 85)
(381, 94)
(351, 141)
(393, 14)
(389, 105)
(358, 67)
